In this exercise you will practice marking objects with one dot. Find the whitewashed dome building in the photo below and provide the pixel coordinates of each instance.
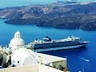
(16, 42)
(22, 57)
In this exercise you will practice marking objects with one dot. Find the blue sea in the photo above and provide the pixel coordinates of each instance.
(78, 59)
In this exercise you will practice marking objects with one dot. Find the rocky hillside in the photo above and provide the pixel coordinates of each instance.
(57, 15)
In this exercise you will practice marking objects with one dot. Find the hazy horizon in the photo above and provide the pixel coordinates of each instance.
(11, 3)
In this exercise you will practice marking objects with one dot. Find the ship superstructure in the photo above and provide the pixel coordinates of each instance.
(47, 44)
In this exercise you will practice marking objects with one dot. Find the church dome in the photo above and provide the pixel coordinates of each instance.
(17, 40)
(23, 56)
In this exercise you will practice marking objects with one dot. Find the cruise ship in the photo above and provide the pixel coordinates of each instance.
(47, 44)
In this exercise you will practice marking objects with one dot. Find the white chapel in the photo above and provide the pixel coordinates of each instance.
(22, 57)
(17, 42)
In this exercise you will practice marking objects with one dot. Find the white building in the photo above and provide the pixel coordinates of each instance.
(17, 42)
(31, 68)
(22, 57)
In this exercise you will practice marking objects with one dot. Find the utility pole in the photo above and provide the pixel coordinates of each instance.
(83, 68)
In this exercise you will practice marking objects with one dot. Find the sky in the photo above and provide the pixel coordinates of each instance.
(10, 3)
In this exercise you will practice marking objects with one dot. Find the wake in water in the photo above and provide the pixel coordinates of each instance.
(84, 59)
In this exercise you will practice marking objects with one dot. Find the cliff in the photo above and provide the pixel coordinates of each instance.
(57, 15)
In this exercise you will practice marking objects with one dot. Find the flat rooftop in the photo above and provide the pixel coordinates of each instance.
(31, 68)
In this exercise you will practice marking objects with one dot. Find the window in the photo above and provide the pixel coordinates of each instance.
(17, 61)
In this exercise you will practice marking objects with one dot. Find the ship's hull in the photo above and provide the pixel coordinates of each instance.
(47, 44)
(59, 48)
